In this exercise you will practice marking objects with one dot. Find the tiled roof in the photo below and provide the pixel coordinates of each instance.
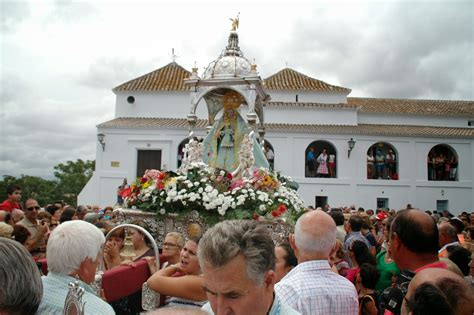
(307, 104)
(361, 129)
(168, 78)
(413, 107)
(289, 79)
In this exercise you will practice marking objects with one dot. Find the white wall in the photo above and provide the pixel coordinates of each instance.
(302, 115)
(172, 104)
(350, 187)
(308, 96)
(122, 146)
(391, 119)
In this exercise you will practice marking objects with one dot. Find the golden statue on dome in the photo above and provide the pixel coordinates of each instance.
(235, 23)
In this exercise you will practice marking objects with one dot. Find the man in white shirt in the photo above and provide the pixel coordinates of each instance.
(311, 287)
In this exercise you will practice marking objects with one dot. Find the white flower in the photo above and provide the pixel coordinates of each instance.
(262, 207)
(162, 211)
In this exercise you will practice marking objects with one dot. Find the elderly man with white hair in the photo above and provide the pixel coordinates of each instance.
(311, 287)
(73, 253)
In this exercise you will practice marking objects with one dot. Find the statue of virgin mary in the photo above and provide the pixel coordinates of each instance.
(222, 144)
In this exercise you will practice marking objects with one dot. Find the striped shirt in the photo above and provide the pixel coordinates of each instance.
(55, 289)
(312, 288)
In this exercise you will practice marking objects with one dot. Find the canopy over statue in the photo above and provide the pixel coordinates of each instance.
(222, 144)
(230, 82)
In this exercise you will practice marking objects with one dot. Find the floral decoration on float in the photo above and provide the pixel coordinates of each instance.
(246, 193)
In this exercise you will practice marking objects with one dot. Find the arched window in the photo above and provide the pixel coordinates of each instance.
(382, 162)
(320, 160)
(442, 163)
(181, 146)
(269, 153)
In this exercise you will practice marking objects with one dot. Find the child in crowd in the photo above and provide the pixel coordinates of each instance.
(365, 285)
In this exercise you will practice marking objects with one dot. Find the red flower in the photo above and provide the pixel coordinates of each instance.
(255, 216)
(160, 185)
(281, 208)
(143, 180)
(276, 213)
(161, 176)
(126, 192)
(229, 175)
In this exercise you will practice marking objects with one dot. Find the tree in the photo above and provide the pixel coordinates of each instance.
(71, 177)
(44, 191)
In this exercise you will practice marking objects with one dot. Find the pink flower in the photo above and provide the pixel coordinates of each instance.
(153, 174)
(237, 183)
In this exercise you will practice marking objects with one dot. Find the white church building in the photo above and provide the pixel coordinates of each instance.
(384, 152)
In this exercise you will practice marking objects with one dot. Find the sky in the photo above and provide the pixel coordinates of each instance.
(60, 60)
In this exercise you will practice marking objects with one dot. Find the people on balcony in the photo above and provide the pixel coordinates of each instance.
(310, 162)
(322, 160)
(181, 283)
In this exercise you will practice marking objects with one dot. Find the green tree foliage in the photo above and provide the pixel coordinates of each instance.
(44, 191)
(71, 177)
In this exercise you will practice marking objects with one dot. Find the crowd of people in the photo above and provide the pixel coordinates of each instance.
(337, 261)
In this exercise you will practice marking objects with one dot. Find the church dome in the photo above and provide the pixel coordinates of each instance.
(231, 63)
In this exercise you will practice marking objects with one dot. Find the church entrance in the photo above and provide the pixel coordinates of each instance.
(148, 159)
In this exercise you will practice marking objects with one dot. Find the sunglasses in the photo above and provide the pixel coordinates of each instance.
(33, 208)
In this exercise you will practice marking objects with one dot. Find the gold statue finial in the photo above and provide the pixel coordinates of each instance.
(235, 22)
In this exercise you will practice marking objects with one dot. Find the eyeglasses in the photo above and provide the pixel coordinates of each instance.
(33, 208)
(169, 245)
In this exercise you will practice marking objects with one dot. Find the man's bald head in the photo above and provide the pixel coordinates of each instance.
(442, 287)
(315, 234)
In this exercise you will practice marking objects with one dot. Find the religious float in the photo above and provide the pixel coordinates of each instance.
(223, 176)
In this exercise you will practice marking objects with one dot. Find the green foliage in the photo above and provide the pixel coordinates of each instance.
(71, 177)
(44, 191)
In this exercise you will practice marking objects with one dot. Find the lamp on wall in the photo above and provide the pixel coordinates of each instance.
(100, 138)
(351, 144)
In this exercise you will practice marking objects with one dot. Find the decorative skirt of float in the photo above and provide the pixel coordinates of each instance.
(191, 224)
